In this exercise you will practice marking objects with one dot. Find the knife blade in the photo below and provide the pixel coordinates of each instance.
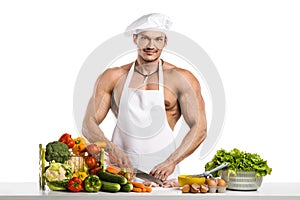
(147, 177)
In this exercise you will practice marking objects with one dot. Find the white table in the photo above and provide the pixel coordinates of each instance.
(15, 191)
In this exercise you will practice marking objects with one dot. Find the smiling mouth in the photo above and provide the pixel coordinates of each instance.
(150, 52)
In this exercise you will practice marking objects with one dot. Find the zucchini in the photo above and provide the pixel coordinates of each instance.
(110, 187)
(114, 178)
(102, 160)
(127, 187)
(42, 163)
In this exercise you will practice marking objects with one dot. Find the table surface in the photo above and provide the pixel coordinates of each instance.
(31, 190)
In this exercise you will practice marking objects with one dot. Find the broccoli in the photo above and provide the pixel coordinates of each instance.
(57, 151)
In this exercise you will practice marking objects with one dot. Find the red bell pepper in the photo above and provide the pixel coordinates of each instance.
(75, 184)
(66, 138)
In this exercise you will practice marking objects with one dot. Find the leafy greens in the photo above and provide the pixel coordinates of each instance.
(239, 161)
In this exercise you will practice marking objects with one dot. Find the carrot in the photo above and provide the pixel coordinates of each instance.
(148, 189)
(136, 189)
(138, 184)
(140, 187)
(113, 169)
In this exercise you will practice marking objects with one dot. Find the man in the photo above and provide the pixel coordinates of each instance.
(148, 97)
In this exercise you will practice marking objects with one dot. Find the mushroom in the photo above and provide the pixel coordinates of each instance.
(195, 188)
(186, 188)
(203, 188)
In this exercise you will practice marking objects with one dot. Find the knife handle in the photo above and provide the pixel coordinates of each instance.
(223, 165)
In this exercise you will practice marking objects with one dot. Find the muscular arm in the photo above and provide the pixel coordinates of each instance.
(193, 110)
(97, 110)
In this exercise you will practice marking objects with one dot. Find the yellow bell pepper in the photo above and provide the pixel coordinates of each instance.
(79, 147)
(81, 175)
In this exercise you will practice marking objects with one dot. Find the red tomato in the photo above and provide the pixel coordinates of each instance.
(91, 162)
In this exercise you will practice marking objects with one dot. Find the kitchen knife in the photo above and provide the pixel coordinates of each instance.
(145, 176)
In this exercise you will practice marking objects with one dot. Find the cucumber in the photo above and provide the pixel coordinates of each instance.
(110, 187)
(113, 178)
(127, 187)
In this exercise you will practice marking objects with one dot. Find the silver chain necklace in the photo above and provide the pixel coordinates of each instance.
(146, 76)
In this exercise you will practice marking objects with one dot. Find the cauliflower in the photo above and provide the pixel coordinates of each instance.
(56, 172)
(58, 175)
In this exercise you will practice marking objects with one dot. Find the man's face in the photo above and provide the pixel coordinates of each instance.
(150, 44)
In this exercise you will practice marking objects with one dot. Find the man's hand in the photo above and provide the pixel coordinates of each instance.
(163, 170)
(119, 156)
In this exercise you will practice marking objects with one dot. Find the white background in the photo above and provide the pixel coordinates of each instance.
(255, 46)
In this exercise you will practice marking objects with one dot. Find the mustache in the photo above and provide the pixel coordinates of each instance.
(150, 49)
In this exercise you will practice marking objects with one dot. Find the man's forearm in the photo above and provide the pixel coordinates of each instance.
(188, 145)
(92, 132)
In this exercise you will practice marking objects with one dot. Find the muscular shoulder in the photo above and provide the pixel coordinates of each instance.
(183, 78)
(109, 78)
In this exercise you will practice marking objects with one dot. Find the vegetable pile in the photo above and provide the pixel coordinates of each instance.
(75, 165)
(239, 161)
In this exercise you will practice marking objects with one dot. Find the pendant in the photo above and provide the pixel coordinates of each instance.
(145, 79)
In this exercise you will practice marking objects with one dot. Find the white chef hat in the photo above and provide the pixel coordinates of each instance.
(153, 21)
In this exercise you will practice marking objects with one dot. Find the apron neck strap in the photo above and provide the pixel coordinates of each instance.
(160, 75)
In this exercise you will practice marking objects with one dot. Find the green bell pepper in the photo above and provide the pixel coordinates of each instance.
(92, 183)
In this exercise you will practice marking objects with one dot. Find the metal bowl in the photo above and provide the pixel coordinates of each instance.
(243, 180)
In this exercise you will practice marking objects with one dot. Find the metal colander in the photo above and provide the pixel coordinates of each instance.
(243, 180)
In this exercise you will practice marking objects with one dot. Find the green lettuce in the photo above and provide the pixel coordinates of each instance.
(239, 161)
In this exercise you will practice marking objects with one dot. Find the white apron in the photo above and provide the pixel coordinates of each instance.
(142, 130)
